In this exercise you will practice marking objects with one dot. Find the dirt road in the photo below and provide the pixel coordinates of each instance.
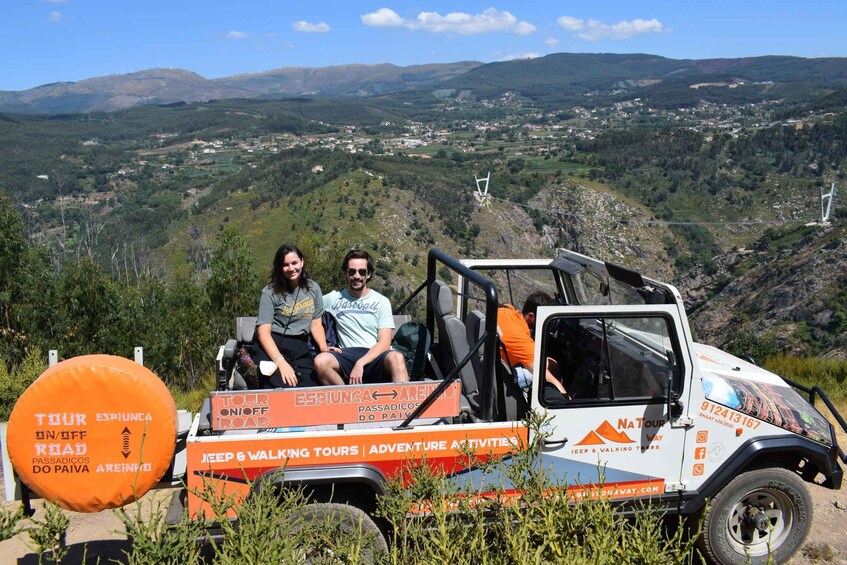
(827, 542)
(90, 537)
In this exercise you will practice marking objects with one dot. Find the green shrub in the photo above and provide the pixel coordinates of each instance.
(48, 535)
(465, 526)
(154, 542)
(13, 383)
(828, 374)
(10, 520)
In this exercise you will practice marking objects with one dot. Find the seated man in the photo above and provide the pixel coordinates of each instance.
(515, 330)
(363, 324)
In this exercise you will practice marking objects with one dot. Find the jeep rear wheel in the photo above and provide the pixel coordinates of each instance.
(328, 531)
(760, 513)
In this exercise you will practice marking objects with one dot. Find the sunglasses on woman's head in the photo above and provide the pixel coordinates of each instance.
(362, 272)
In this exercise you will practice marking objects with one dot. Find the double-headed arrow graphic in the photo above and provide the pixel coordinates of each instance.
(125, 433)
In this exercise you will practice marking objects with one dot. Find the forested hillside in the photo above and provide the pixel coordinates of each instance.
(788, 293)
(770, 174)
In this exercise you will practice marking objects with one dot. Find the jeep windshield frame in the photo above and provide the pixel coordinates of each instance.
(594, 283)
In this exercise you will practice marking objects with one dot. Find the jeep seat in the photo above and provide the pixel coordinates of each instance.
(453, 339)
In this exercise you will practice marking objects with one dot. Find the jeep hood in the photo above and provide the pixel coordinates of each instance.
(747, 388)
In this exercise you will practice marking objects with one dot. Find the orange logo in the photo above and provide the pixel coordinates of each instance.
(700, 453)
(698, 469)
(605, 431)
(702, 436)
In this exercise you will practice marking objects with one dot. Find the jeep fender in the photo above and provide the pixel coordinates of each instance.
(787, 449)
(328, 479)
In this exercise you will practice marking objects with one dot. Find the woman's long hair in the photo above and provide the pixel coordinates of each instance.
(276, 280)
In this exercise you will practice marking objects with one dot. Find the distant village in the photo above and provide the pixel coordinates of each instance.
(522, 131)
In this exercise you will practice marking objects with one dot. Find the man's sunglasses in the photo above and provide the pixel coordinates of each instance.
(362, 272)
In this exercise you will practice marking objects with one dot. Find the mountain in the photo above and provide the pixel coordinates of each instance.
(569, 76)
(115, 92)
(346, 80)
(558, 79)
(167, 86)
(609, 70)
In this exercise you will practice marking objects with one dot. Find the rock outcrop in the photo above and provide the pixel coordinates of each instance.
(788, 293)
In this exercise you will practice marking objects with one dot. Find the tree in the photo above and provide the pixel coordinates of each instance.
(323, 263)
(233, 287)
(86, 297)
(185, 339)
(13, 249)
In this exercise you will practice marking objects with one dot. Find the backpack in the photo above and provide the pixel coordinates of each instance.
(413, 340)
(330, 331)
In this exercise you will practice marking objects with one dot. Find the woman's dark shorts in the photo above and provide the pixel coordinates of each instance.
(295, 349)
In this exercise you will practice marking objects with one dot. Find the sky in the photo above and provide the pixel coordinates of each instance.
(43, 41)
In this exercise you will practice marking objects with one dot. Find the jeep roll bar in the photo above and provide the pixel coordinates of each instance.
(488, 339)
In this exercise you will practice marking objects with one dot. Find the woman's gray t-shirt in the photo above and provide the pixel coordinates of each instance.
(291, 313)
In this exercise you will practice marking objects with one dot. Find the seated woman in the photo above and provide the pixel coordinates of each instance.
(290, 309)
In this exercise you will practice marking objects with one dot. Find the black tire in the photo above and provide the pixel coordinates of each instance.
(760, 513)
(341, 520)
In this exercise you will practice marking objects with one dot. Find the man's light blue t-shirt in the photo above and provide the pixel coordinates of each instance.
(359, 319)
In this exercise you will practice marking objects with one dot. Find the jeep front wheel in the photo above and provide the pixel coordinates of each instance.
(759, 514)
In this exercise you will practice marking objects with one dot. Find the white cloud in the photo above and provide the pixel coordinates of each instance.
(595, 30)
(455, 22)
(524, 28)
(307, 27)
(384, 17)
(54, 17)
(570, 24)
(519, 56)
(551, 41)
(237, 35)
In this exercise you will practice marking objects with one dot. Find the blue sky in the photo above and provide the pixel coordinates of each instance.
(44, 41)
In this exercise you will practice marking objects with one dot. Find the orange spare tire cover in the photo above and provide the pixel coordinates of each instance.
(93, 432)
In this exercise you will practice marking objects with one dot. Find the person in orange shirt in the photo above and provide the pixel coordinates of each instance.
(515, 329)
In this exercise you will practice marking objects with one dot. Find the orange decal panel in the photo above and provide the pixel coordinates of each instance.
(619, 491)
(574, 493)
(318, 406)
(230, 464)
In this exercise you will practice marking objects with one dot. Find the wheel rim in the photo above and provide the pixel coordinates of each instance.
(760, 521)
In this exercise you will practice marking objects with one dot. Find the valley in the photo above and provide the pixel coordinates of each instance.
(705, 180)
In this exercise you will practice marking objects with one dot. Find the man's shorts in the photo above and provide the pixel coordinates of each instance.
(523, 377)
(373, 372)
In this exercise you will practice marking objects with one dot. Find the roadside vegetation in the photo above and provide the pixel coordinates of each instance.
(828, 374)
(434, 521)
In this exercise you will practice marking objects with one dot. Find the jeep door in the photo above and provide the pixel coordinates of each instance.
(619, 430)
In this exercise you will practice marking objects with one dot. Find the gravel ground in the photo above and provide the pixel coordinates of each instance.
(91, 538)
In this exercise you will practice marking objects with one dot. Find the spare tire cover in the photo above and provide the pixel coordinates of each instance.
(93, 432)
